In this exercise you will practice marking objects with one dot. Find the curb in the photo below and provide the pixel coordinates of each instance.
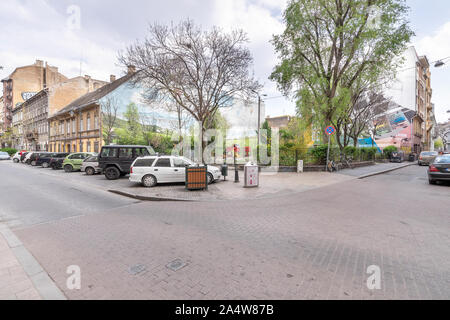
(44, 285)
(385, 171)
(145, 198)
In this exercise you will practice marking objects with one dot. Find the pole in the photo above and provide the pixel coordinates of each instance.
(259, 118)
(328, 153)
(236, 173)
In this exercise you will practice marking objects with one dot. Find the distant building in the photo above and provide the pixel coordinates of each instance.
(412, 108)
(278, 122)
(48, 102)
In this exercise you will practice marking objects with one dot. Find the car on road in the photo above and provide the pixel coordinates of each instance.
(115, 160)
(90, 166)
(56, 161)
(23, 156)
(74, 161)
(439, 170)
(152, 170)
(4, 156)
(397, 156)
(427, 157)
(16, 157)
(36, 156)
(27, 157)
(44, 159)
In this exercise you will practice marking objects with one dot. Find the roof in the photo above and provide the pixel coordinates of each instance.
(94, 96)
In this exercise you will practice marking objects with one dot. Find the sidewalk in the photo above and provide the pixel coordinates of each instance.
(21, 276)
(377, 168)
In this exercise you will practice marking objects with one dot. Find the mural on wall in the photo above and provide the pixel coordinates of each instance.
(393, 128)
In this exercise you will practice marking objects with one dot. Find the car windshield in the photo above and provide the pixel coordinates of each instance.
(3, 153)
(91, 159)
(443, 159)
(429, 153)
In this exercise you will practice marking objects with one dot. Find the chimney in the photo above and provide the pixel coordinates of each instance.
(112, 78)
(87, 77)
(131, 69)
(39, 63)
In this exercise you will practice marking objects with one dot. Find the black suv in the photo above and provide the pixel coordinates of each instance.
(57, 161)
(115, 161)
(44, 159)
(35, 157)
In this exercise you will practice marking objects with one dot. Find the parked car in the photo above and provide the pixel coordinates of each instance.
(74, 161)
(35, 157)
(115, 161)
(44, 159)
(90, 166)
(16, 157)
(439, 170)
(27, 157)
(427, 157)
(162, 169)
(56, 162)
(4, 155)
(22, 157)
(397, 156)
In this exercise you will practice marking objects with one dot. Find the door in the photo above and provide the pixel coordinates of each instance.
(77, 160)
(163, 170)
(179, 169)
(125, 159)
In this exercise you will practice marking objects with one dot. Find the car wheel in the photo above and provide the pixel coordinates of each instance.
(68, 168)
(112, 173)
(16, 160)
(89, 171)
(431, 181)
(209, 178)
(45, 165)
(149, 181)
(33, 163)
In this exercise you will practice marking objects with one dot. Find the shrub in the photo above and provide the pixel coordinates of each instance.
(349, 150)
(319, 153)
(10, 151)
(388, 150)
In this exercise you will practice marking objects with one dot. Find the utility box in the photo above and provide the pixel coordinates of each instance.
(224, 169)
(196, 177)
(251, 175)
(299, 166)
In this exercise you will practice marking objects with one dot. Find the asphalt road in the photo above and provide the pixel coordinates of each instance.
(316, 244)
(32, 195)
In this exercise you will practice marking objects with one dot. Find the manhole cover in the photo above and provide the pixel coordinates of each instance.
(176, 265)
(134, 270)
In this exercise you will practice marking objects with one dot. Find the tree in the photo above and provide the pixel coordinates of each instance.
(199, 70)
(133, 123)
(329, 44)
(109, 108)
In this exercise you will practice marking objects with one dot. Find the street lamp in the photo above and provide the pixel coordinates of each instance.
(440, 63)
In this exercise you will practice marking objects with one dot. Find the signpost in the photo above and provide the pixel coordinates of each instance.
(330, 130)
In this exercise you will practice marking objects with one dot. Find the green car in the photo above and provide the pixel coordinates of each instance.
(74, 161)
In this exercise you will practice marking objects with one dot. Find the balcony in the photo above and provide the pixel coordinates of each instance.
(32, 135)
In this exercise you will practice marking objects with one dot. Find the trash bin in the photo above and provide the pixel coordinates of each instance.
(251, 175)
(196, 177)
(412, 157)
(224, 169)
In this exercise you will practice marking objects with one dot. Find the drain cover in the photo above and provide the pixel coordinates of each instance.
(134, 270)
(176, 265)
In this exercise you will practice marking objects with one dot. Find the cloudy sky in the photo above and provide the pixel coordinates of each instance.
(45, 30)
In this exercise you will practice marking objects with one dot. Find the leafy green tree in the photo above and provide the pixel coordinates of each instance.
(438, 144)
(329, 45)
(133, 125)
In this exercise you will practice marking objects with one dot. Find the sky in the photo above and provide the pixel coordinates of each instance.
(49, 30)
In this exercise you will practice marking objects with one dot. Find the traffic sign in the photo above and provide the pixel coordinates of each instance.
(330, 130)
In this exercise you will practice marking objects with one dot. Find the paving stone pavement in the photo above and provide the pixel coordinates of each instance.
(14, 282)
(313, 245)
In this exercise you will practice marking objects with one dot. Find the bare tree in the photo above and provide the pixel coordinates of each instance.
(199, 70)
(109, 108)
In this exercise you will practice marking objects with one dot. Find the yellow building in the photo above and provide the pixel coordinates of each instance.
(77, 127)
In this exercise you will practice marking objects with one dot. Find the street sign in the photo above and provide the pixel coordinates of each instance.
(330, 130)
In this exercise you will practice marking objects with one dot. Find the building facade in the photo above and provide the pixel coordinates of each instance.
(22, 84)
(2, 116)
(411, 107)
(47, 102)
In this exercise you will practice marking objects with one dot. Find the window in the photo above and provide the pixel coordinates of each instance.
(141, 152)
(88, 144)
(73, 125)
(163, 162)
(68, 127)
(88, 122)
(96, 124)
(126, 153)
(96, 146)
(81, 123)
(81, 146)
(109, 152)
(143, 163)
(180, 163)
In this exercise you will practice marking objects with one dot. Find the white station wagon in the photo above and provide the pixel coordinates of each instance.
(151, 170)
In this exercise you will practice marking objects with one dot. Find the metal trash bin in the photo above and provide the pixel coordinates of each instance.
(224, 169)
(251, 175)
(196, 177)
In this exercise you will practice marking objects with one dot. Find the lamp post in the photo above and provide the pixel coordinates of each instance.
(236, 173)
(259, 114)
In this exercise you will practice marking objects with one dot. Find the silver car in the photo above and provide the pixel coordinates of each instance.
(4, 155)
(427, 157)
(90, 166)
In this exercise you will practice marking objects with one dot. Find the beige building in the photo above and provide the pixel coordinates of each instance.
(23, 83)
(2, 116)
(77, 127)
(48, 102)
